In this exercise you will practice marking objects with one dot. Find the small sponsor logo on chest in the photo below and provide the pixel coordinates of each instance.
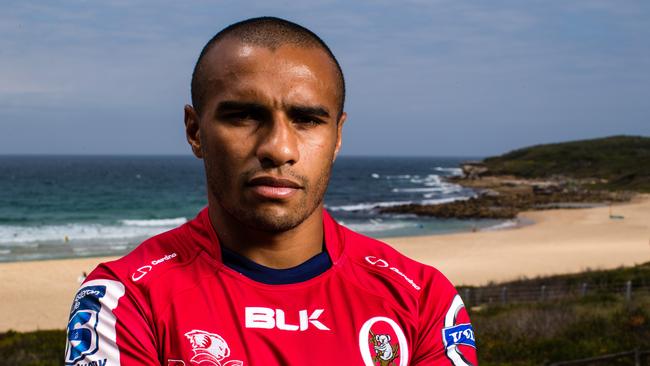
(266, 318)
(383, 264)
(144, 270)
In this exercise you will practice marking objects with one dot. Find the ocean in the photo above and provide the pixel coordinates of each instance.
(79, 206)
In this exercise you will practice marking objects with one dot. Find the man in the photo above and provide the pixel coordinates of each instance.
(263, 275)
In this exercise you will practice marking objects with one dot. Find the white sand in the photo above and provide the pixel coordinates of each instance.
(560, 241)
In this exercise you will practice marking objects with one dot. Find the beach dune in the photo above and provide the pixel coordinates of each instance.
(37, 295)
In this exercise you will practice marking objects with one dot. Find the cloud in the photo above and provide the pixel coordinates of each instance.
(512, 65)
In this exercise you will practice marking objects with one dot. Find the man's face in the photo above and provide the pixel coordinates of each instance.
(267, 132)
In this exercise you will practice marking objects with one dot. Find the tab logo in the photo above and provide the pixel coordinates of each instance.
(266, 318)
(459, 334)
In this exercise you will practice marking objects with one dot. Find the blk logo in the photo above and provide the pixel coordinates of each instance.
(266, 318)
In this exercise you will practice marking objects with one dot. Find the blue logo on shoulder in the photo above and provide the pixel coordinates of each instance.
(459, 334)
(82, 327)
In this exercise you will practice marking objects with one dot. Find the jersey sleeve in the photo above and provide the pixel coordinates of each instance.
(445, 334)
(108, 325)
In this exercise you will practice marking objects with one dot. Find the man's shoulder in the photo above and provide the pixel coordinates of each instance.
(151, 258)
(379, 259)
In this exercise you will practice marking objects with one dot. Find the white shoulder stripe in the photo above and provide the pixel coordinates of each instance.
(452, 313)
(91, 328)
(454, 354)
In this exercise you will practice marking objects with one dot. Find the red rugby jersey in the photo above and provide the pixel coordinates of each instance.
(172, 301)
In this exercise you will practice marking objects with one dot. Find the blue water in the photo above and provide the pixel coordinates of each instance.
(67, 206)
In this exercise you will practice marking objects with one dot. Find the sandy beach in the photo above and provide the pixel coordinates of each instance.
(37, 295)
(559, 241)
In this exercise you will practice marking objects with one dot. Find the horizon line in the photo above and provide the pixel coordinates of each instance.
(190, 155)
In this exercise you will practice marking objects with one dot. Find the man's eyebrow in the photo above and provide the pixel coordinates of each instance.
(317, 110)
(310, 110)
(229, 105)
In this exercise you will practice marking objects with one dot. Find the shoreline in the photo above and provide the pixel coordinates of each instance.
(560, 241)
(414, 233)
(38, 294)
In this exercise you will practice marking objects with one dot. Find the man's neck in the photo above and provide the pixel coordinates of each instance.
(271, 249)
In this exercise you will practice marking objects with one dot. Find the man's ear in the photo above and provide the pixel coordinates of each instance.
(339, 134)
(192, 131)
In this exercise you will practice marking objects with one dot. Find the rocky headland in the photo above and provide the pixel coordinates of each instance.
(566, 175)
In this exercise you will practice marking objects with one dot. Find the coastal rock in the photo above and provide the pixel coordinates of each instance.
(473, 169)
(564, 175)
(504, 198)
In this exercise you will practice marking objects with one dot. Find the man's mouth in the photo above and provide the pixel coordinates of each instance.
(273, 187)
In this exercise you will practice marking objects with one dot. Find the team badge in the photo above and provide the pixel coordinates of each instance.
(210, 349)
(385, 352)
(383, 343)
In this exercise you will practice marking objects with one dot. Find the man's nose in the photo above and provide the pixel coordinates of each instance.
(278, 143)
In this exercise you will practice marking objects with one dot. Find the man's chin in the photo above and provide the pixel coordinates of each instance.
(271, 218)
(272, 224)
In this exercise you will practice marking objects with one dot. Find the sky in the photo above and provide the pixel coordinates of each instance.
(424, 78)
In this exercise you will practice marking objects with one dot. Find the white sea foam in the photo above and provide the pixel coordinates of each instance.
(374, 226)
(158, 222)
(415, 190)
(400, 176)
(375, 175)
(431, 179)
(502, 226)
(433, 186)
(443, 191)
(83, 250)
(440, 201)
(451, 171)
(127, 232)
(397, 216)
(367, 206)
(372, 205)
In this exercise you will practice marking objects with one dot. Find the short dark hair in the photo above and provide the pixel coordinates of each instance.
(269, 32)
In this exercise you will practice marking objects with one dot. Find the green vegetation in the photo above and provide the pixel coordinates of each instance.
(534, 334)
(639, 275)
(515, 334)
(623, 161)
(40, 348)
(574, 327)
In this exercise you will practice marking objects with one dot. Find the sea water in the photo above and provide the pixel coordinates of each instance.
(74, 206)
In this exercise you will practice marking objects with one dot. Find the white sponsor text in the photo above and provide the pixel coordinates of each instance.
(265, 318)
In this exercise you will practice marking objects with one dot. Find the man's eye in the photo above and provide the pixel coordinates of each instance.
(308, 120)
(242, 116)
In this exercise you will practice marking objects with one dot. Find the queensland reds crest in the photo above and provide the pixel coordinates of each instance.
(383, 343)
(210, 349)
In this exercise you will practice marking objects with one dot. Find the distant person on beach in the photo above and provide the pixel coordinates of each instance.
(264, 275)
(82, 277)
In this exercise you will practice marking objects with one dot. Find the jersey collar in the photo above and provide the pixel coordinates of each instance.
(205, 235)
